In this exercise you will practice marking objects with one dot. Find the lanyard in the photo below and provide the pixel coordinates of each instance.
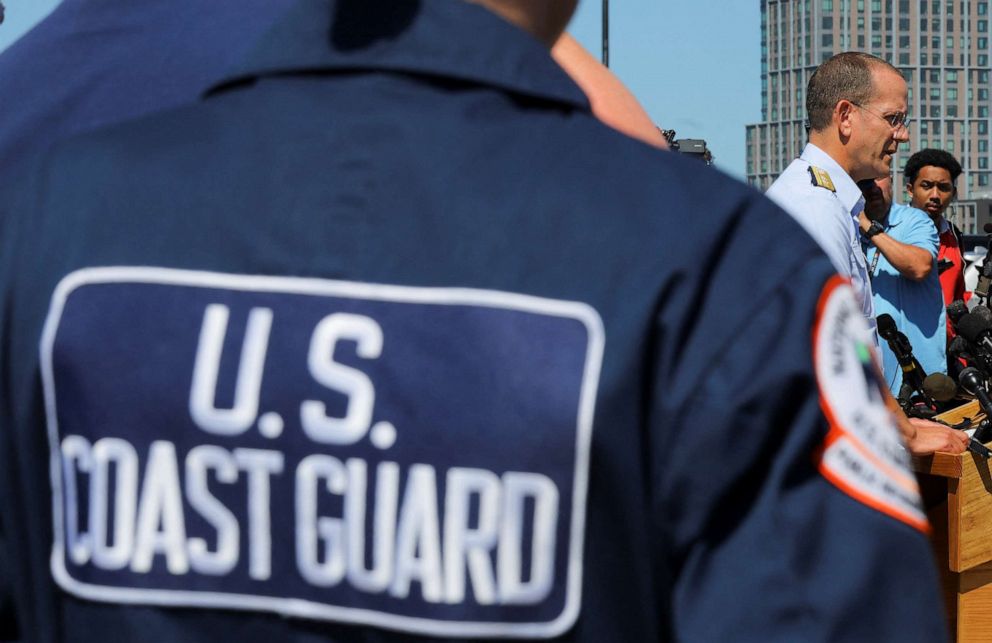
(874, 263)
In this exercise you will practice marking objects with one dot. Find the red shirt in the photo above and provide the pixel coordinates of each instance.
(952, 279)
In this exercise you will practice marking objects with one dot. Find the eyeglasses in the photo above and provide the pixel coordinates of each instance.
(895, 120)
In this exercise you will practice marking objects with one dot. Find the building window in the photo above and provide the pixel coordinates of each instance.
(983, 8)
(949, 146)
(903, 59)
(983, 93)
(827, 22)
(983, 162)
(935, 111)
(952, 110)
(983, 145)
(935, 93)
(983, 60)
(983, 127)
(952, 93)
(827, 40)
(983, 26)
(828, 5)
(951, 76)
(983, 111)
(983, 179)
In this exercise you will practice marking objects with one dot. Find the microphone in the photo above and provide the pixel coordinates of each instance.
(974, 328)
(983, 312)
(988, 228)
(972, 382)
(939, 387)
(912, 372)
(956, 310)
(960, 349)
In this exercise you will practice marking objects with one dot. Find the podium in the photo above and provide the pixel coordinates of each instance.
(957, 493)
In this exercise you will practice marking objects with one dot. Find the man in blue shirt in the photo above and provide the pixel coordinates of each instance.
(364, 347)
(901, 249)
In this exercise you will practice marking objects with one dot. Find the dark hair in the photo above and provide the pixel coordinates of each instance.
(936, 158)
(846, 76)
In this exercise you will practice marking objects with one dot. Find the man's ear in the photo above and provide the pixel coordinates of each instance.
(842, 117)
(909, 190)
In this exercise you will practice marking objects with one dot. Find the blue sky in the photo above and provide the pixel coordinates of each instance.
(694, 65)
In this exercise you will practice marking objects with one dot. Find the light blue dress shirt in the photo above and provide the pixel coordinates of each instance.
(831, 218)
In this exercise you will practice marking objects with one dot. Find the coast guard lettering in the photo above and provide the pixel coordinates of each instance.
(412, 458)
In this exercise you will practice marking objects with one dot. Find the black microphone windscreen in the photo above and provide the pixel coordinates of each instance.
(886, 326)
(983, 312)
(940, 387)
(971, 327)
(957, 346)
(956, 310)
(988, 228)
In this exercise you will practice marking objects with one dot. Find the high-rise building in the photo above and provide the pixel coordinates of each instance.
(940, 46)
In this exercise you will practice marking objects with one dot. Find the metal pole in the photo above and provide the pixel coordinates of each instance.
(606, 33)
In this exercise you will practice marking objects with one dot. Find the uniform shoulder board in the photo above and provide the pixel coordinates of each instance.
(820, 178)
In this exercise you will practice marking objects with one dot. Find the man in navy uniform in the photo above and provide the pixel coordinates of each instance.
(390, 338)
(856, 109)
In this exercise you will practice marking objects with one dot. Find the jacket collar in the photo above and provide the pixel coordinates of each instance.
(447, 38)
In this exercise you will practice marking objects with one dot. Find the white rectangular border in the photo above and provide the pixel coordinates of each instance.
(355, 290)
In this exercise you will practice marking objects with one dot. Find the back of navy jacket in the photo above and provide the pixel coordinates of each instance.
(388, 338)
